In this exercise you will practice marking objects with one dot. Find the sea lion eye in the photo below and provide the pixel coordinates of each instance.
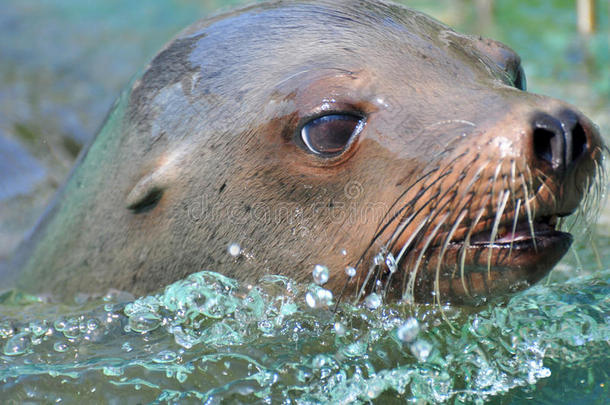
(330, 135)
(519, 80)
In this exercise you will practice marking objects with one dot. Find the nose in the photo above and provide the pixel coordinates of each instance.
(560, 140)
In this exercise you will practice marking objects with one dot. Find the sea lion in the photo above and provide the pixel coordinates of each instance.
(358, 134)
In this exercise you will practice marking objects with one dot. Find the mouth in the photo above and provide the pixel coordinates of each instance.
(525, 235)
(490, 266)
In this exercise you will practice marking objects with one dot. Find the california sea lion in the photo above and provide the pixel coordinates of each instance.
(345, 133)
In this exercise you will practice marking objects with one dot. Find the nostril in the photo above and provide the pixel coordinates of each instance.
(543, 144)
(579, 141)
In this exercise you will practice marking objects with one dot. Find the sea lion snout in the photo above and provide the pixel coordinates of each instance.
(496, 228)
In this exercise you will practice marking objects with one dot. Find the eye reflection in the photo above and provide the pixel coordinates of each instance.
(330, 135)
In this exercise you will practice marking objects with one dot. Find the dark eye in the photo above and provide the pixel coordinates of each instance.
(519, 80)
(330, 135)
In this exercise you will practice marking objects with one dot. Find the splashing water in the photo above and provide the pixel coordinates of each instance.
(207, 338)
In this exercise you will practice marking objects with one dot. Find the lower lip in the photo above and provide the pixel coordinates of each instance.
(493, 270)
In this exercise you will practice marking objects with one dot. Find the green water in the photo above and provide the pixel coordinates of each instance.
(209, 339)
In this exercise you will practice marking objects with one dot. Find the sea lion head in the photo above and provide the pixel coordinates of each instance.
(344, 133)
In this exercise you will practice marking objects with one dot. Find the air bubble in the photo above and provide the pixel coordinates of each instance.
(144, 321)
(372, 301)
(60, 346)
(390, 261)
(339, 329)
(17, 345)
(318, 297)
(320, 274)
(378, 259)
(408, 331)
(234, 249)
(421, 350)
(350, 271)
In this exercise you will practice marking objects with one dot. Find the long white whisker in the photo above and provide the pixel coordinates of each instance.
(444, 249)
(528, 209)
(494, 229)
(410, 240)
(412, 277)
(515, 221)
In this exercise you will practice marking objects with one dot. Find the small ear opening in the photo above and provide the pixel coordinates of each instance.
(147, 193)
(147, 202)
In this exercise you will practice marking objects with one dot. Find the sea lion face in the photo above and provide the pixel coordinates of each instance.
(366, 135)
(344, 133)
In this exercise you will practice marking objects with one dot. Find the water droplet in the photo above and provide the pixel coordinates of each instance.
(320, 274)
(59, 325)
(408, 331)
(318, 297)
(71, 328)
(126, 347)
(234, 249)
(372, 301)
(144, 321)
(17, 345)
(6, 330)
(319, 361)
(60, 346)
(38, 328)
(378, 259)
(421, 349)
(93, 324)
(343, 252)
(350, 271)
(390, 261)
(339, 329)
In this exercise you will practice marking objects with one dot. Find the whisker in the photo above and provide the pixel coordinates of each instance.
(467, 244)
(543, 184)
(411, 238)
(598, 258)
(495, 180)
(446, 246)
(528, 209)
(515, 221)
(432, 235)
(366, 281)
(494, 229)
(513, 170)
(475, 178)
(531, 187)
(577, 257)
(402, 195)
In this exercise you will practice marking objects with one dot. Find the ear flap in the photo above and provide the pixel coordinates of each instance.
(504, 57)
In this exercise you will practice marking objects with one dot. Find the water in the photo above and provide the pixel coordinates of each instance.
(210, 339)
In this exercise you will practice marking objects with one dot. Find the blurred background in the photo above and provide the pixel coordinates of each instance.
(63, 62)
